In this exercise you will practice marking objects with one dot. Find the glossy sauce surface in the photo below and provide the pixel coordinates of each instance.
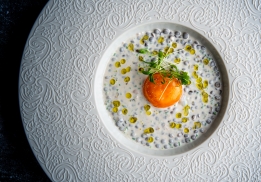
(183, 113)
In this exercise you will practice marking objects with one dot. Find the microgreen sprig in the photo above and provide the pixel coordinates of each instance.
(159, 64)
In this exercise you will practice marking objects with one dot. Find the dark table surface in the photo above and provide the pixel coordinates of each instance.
(17, 161)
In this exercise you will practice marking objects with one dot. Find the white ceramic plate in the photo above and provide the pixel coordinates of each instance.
(107, 120)
(60, 98)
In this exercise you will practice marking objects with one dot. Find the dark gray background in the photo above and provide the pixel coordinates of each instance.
(17, 162)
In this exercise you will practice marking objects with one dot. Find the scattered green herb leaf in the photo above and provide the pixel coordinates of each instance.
(160, 65)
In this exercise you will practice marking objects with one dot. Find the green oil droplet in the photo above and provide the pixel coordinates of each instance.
(115, 109)
(187, 48)
(141, 58)
(116, 103)
(117, 64)
(131, 47)
(128, 95)
(150, 139)
(197, 125)
(128, 69)
(148, 113)
(178, 115)
(204, 97)
(155, 53)
(199, 86)
(192, 51)
(147, 107)
(194, 74)
(149, 130)
(174, 45)
(161, 40)
(112, 81)
(177, 60)
(123, 61)
(145, 37)
(123, 71)
(124, 111)
(199, 80)
(195, 67)
(178, 126)
(205, 84)
(172, 125)
(141, 69)
(133, 119)
(205, 61)
(186, 130)
(204, 94)
(184, 120)
(166, 49)
(186, 110)
(127, 79)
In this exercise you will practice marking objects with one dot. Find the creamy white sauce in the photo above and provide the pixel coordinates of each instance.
(164, 136)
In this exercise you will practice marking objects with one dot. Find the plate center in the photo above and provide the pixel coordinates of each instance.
(135, 122)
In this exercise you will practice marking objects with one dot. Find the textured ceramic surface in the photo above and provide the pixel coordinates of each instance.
(59, 111)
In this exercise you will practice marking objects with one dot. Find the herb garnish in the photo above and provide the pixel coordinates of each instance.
(165, 68)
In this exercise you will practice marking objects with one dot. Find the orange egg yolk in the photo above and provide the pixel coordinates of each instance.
(162, 95)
